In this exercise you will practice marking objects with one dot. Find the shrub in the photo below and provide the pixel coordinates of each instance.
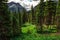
(28, 28)
(50, 28)
(53, 28)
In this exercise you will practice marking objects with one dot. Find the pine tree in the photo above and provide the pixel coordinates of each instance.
(33, 15)
(5, 27)
(40, 17)
(51, 12)
(25, 16)
(58, 16)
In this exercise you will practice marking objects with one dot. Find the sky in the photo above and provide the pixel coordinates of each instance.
(27, 3)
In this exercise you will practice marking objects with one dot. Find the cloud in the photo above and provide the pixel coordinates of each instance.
(27, 3)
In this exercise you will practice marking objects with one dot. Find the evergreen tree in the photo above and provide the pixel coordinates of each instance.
(33, 15)
(25, 16)
(16, 25)
(51, 12)
(58, 16)
(5, 27)
(40, 17)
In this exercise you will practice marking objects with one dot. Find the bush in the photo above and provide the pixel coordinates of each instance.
(53, 28)
(50, 28)
(28, 28)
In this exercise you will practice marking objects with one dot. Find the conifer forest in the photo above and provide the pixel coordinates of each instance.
(41, 23)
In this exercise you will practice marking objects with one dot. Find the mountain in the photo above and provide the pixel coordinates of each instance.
(14, 7)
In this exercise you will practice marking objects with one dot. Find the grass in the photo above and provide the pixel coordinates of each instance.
(37, 37)
(34, 35)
